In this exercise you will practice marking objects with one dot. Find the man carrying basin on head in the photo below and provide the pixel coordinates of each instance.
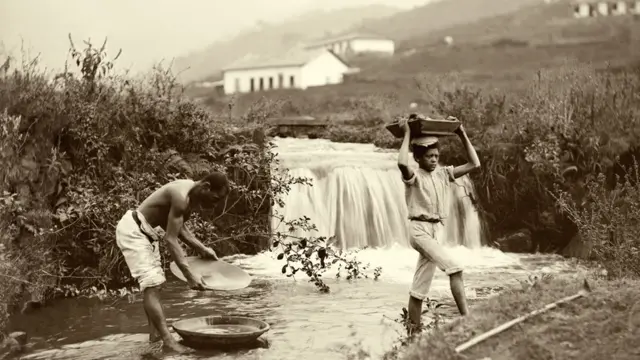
(169, 207)
(426, 189)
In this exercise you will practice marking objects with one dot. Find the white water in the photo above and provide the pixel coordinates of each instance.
(358, 196)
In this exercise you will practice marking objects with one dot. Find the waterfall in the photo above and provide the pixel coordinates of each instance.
(358, 196)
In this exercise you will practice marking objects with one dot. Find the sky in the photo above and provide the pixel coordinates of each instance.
(146, 30)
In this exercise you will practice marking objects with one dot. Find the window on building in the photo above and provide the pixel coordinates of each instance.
(237, 85)
(270, 82)
(261, 84)
(328, 80)
(292, 81)
(252, 85)
(280, 80)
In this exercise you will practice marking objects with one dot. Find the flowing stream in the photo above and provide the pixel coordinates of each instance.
(358, 197)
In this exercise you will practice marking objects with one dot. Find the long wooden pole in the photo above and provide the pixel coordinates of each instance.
(497, 330)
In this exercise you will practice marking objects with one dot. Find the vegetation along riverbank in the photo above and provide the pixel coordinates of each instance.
(605, 324)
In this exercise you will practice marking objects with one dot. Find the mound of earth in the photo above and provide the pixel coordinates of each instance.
(603, 325)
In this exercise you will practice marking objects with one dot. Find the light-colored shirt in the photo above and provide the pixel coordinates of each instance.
(427, 193)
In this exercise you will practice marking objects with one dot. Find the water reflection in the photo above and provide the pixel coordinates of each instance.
(302, 319)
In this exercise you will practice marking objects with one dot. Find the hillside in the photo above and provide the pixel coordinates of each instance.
(423, 20)
(533, 37)
(274, 38)
(537, 23)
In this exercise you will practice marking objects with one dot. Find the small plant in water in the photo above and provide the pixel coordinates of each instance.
(309, 255)
(534, 280)
(313, 256)
(356, 269)
(69, 291)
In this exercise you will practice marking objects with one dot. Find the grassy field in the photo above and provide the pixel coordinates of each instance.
(604, 325)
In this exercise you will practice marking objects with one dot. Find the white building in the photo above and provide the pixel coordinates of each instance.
(593, 8)
(356, 43)
(298, 68)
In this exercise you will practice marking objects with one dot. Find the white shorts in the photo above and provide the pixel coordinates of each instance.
(424, 238)
(140, 253)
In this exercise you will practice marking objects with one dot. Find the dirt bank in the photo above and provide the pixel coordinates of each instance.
(605, 325)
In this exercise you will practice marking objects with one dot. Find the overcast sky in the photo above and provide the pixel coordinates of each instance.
(146, 30)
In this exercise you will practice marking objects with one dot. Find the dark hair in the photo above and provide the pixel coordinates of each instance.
(216, 180)
(419, 151)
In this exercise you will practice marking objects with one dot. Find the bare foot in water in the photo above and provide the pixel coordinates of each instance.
(154, 337)
(174, 347)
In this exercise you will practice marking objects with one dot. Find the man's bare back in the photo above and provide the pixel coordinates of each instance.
(169, 207)
(156, 206)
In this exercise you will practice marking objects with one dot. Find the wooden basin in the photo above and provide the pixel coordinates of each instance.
(426, 127)
(211, 331)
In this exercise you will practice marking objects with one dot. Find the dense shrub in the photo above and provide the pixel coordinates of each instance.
(567, 118)
(102, 143)
(608, 219)
(25, 248)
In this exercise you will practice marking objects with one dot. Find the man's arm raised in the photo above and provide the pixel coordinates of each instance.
(473, 162)
(403, 154)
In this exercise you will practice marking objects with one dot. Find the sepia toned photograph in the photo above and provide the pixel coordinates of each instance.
(322, 180)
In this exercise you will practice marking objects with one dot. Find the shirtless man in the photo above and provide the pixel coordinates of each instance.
(168, 208)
